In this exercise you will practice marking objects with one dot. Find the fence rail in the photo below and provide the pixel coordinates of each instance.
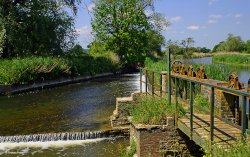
(156, 85)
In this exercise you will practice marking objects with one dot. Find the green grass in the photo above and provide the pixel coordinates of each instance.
(25, 70)
(232, 59)
(152, 110)
(215, 72)
(202, 104)
(131, 151)
(238, 150)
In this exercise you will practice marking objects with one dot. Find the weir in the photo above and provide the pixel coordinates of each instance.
(63, 136)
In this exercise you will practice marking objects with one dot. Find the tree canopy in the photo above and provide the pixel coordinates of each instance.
(125, 28)
(35, 27)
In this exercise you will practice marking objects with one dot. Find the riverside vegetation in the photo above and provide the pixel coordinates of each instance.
(240, 59)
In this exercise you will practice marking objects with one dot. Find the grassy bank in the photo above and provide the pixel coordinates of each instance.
(213, 71)
(152, 110)
(239, 59)
(25, 70)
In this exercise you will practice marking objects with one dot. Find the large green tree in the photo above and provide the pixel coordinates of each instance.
(36, 27)
(124, 27)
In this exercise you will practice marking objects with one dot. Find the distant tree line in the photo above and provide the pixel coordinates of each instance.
(185, 47)
(233, 43)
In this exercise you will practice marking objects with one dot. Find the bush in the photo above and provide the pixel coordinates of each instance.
(20, 71)
(232, 59)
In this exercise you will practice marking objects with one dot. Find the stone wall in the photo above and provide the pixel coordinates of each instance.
(120, 117)
(162, 140)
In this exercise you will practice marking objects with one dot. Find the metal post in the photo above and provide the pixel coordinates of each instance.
(212, 117)
(161, 85)
(191, 110)
(176, 102)
(146, 80)
(153, 83)
(140, 80)
(169, 75)
(244, 118)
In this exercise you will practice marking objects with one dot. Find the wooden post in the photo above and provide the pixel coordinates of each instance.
(146, 80)
(164, 82)
(191, 109)
(169, 75)
(211, 117)
(244, 118)
(176, 103)
(153, 83)
(161, 85)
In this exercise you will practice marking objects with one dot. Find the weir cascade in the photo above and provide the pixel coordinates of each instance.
(63, 136)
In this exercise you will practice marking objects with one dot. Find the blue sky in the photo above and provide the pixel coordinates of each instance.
(207, 21)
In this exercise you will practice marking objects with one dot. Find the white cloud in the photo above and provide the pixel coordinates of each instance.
(193, 27)
(212, 21)
(176, 19)
(238, 15)
(215, 16)
(84, 30)
(210, 2)
(90, 7)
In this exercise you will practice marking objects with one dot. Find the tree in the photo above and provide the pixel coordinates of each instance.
(37, 27)
(124, 28)
(234, 43)
(248, 46)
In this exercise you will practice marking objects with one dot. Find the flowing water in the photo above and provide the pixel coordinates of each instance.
(83, 107)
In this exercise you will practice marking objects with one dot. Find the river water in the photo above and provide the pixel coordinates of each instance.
(242, 71)
(86, 106)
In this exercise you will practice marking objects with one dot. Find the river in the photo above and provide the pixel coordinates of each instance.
(242, 71)
(86, 106)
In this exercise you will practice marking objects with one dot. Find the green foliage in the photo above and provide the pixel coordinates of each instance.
(232, 59)
(248, 46)
(216, 72)
(131, 152)
(202, 104)
(123, 27)
(38, 27)
(238, 149)
(233, 43)
(76, 51)
(152, 110)
(19, 71)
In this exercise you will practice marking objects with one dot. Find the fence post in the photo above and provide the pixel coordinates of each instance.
(191, 110)
(160, 84)
(153, 83)
(169, 75)
(146, 80)
(140, 80)
(211, 117)
(244, 118)
(176, 103)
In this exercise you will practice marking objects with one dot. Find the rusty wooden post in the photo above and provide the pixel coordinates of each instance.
(164, 82)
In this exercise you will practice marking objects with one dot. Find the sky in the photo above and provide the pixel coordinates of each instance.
(207, 21)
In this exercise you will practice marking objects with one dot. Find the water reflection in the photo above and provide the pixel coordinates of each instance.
(78, 107)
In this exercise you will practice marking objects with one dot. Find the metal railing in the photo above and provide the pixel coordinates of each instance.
(192, 82)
